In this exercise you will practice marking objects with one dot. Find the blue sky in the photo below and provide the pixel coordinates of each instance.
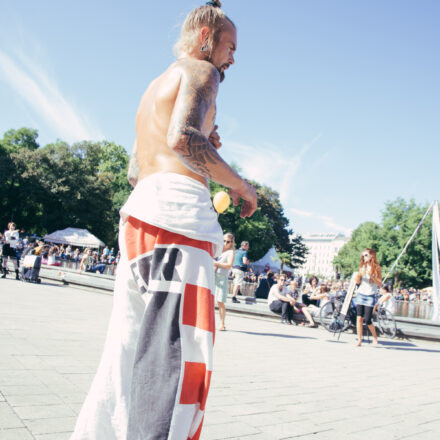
(335, 104)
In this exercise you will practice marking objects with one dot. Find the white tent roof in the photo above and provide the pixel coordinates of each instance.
(74, 237)
(269, 260)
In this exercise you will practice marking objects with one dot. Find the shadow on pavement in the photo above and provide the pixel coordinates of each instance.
(44, 283)
(426, 350)
(271, 334)
(396, 343)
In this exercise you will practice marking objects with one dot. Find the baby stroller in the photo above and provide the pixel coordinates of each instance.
(31, 269)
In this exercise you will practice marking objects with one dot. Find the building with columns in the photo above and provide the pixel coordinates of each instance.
(322, 249)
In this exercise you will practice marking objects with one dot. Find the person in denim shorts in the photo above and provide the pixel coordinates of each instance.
(369, 279)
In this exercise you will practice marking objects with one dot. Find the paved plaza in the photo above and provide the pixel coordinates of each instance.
(270, 381)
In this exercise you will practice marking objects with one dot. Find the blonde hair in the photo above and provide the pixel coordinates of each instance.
(207, 15)
(229, 235)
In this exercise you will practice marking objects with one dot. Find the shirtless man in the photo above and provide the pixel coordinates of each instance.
(175, 129)
(155, 371)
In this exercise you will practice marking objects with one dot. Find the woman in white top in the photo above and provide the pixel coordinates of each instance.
(222, 267)
(369, 279)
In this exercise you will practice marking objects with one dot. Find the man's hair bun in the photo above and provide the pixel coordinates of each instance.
(214, 3)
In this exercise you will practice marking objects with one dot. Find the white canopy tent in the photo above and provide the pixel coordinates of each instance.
(74, 237)
(269, 260)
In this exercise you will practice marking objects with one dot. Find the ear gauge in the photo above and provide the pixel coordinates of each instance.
(204, 48)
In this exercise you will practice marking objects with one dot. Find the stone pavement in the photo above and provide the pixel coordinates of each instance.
(270, 381)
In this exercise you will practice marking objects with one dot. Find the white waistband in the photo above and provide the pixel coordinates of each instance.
(178, 204)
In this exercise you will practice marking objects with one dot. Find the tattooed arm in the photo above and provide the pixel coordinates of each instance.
(133, 167)
(197, 93)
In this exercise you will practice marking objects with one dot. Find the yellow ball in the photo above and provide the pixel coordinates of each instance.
(221, 201)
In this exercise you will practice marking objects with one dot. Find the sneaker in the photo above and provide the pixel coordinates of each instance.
(285, 321)
(235, 300)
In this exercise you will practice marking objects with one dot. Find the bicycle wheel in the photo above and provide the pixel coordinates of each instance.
(330, 318)
(387, 324)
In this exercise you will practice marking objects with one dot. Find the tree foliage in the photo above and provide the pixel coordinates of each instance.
(399, 220)
(266, 228)
(283, 258)
(85, 184)
(60, 185)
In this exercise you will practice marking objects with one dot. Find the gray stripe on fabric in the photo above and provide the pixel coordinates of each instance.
(156, 370)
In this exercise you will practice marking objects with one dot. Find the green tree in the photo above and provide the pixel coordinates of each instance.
(283, 258)
(299, 251)
(367, 235)
(270, 205)
(266, 228)
(15, 140)
(59, 185)
(399, 220)
(257, 229)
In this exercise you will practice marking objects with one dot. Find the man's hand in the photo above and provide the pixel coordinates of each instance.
(214, 138)
(249, 195)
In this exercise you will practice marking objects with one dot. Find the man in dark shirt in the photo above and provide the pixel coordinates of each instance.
(239, 268)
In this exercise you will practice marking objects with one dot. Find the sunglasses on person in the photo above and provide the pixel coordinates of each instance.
(227, 241)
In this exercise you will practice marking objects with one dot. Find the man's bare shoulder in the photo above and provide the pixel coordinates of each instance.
(198, 71)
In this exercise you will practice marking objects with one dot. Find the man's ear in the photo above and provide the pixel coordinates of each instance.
(204, 34)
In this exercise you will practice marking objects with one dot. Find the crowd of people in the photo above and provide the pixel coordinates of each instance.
(14, 248)
(305, 296)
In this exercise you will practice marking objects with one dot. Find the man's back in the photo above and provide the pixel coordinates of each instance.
(154, 115)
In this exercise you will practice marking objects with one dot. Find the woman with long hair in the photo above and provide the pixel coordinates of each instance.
(309, 290)
(222, 267)
(369, 279)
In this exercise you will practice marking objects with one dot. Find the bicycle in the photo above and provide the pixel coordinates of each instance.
(335, 321)
(331, 316)
(385, 322)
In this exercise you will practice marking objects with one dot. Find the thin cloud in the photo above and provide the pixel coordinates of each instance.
(300, 212)
(324, 219)
(41, 94)
(273, 165)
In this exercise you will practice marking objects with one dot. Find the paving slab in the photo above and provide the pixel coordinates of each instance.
(270, 381)
(15, 434)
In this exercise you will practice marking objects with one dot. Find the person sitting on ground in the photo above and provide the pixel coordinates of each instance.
(299, 307)
(264, 285)
(280, 301)
(310, 288)
(321, 297)
(387, 299)
(88, 263)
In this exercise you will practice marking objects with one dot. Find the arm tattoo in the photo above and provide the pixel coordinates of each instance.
(196, 98)
(133, 167)
(197, 152)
